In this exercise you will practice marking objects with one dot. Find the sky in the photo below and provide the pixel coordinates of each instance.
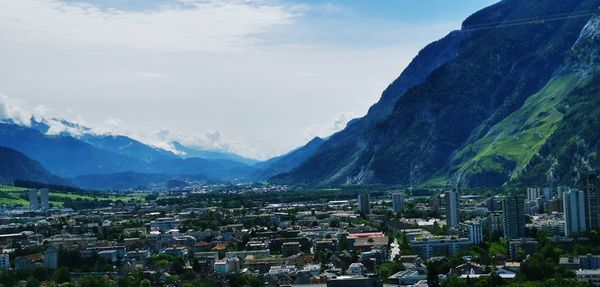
(254, 77)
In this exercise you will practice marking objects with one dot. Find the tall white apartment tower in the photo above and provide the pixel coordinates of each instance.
(44, 198)
(451, 199)
(574, 212)
(364, 203)
(33, 200)
(398, 202)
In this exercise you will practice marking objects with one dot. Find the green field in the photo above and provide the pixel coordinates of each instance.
(10, 195)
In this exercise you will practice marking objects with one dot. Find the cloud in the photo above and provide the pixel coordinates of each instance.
(325, 130)
(11, 109)
(180, 26)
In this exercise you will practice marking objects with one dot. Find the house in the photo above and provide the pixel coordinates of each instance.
(29, 262)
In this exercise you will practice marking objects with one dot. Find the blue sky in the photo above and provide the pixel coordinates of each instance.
(252, 77)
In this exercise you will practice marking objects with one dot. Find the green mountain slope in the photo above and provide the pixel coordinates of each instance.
(509, 145)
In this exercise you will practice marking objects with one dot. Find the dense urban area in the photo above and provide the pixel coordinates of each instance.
(268, 235)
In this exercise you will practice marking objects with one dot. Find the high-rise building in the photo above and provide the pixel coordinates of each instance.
(44, 199)
(560, 190)
(451, 199)
(533, 193)
(591, 188)
(514, 216)
(398, 202)
(33, 200)
(574, 212)
(364, 203)
(471, 230)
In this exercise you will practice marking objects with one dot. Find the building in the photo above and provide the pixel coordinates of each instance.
(398, 202)
(514, 217)
(591, 276)
(51, 258)
(589, 261)
(241, 255)
(520, 248)
(364, 203)
(471, 230)
(439, 246)
(533, 193)
(33, 200)
(574, 212)
(362, 242)
(4, 262)
(227, 266)
(591, 188)
(44, 199)
(165, 224)
(356, 269)
(451, 199)
(290, 248)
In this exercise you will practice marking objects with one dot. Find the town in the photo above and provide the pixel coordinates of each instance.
(279, 236)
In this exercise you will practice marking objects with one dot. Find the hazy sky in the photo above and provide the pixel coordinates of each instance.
(254, 77)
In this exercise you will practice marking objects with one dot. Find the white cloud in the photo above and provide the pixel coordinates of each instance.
(199, 25)
(258, 72)
(325, 130)
(11, 109)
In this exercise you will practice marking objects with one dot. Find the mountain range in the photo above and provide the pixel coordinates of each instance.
(80, 157)
(510, 98)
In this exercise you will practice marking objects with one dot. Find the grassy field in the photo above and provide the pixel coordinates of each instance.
(10, 195)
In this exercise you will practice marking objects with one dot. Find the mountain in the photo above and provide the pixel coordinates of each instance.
(63, 155)
(126, 146)
(481, 107)
(191, 152)
(16, 166)
(288, 161)
(107, 161)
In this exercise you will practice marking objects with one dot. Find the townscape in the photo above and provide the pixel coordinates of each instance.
(278, 236)
(299, 143)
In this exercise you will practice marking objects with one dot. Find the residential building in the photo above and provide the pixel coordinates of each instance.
(589, 261)
(591, 276)
(364, 203)
(574, 212)
(398, 202)
(533, 193)
(471, 230)
(438, 246)
(165, 224)
(227, 266)
(514, 217)
(451, 199)
(33, 200)
(4, 261)
(591, 187)
(44, 199)
(51, 258)
(520, 248)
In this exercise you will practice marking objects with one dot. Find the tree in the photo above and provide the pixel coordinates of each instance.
(94, 281)
(61, 275)
(145, 283)
(32, 282)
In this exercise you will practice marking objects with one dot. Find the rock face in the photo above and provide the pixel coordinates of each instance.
(483, 112)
